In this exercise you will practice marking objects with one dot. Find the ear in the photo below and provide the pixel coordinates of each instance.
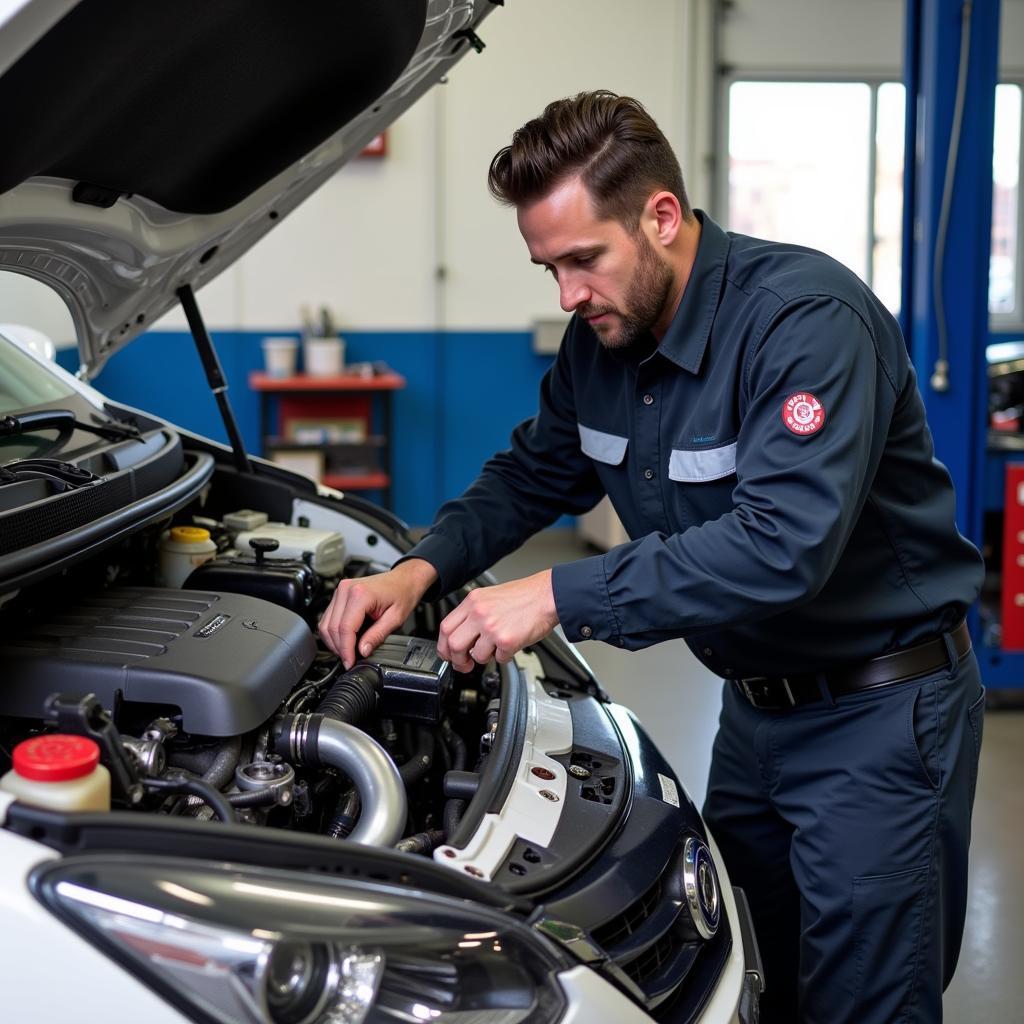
(664, 217)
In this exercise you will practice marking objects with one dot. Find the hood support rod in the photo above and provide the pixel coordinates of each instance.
(214, 375)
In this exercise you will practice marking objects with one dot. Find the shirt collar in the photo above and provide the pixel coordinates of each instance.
(687, 336)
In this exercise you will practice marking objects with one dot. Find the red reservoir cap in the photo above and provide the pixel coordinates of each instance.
(56, 757)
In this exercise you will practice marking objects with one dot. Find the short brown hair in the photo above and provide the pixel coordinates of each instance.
(610, 141)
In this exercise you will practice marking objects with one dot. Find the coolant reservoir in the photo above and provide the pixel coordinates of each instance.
(182, 548)
(59, 772)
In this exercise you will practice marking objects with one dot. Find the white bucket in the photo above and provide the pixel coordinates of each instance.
(279, 356)
(323, 357)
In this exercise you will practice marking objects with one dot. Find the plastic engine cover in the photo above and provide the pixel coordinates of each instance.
(225, 660)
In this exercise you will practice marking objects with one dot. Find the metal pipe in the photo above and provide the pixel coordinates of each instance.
(381, 791)
(317, 740)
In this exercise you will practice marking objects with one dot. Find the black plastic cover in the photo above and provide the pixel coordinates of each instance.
(224, 660)
(414, 678)
(285, 582)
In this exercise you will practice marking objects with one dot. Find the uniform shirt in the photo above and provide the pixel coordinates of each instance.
(770, 460)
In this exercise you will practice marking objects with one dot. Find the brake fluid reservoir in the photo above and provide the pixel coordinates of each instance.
(59, 772)
(182, 548)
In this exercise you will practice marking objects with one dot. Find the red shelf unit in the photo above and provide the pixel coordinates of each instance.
(303, 396)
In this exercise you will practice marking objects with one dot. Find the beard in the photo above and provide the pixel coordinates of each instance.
(645, 299)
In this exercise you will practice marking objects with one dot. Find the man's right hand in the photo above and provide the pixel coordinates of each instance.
(388, 599)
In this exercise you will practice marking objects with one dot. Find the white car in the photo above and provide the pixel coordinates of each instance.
(203, 817)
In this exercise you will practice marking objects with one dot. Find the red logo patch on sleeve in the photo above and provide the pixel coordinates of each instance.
(803, 414)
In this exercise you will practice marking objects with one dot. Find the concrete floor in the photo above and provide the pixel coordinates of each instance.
(678, 701)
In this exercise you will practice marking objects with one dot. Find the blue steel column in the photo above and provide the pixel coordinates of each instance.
(958, 415)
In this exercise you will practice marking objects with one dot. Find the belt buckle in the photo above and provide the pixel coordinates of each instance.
(762, 700)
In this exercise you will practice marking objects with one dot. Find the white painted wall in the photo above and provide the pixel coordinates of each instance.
(814, 35)
(538, 51)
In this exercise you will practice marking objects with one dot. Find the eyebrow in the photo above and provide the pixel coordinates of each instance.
(578, 250)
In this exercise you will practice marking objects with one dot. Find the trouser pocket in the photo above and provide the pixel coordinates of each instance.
(976, 716)
(924, 731)
(888, 915)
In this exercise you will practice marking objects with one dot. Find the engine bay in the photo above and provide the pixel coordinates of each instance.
(189, 654)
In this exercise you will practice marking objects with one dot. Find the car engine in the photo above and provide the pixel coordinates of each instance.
(211, 697)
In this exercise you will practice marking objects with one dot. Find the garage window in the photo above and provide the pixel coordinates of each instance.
(820, 163)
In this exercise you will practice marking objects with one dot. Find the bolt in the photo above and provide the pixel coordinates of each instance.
(548, 795)
(475, 872)
(578, 771)
(543, 773)
(450, 853)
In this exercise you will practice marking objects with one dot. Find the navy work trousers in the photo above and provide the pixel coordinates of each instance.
(847, 823)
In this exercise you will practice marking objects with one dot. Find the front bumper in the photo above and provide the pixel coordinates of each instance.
(735, 999)
(748, 1010)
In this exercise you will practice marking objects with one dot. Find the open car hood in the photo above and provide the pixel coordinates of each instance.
(149, 145)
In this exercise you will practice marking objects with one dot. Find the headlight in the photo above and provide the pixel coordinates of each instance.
(259, 946)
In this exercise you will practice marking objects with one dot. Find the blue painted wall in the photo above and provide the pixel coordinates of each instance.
(465, 392)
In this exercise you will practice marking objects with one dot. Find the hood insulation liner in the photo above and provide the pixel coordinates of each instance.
(132, 98)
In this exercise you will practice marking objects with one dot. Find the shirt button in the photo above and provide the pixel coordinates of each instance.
(586, 632)
(707, 652)
(728, 672)
(648, 474)
(648, 399)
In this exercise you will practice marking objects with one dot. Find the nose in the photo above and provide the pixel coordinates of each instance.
(572, 293)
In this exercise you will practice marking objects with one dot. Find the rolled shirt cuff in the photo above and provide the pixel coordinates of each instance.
(583, 603)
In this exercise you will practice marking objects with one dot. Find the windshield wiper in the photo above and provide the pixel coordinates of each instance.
(63, 474)
(63, 420)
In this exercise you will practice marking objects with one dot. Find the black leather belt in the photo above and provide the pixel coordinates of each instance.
(780, 693)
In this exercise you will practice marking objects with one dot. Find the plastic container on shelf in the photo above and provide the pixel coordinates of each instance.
(182, 549)
(59, 772)
(279, 356)
(323, 357)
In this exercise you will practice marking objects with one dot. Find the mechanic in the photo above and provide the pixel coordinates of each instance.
(750, 409)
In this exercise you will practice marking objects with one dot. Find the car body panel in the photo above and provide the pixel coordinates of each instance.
(119, 268)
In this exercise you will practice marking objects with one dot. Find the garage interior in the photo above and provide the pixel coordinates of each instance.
(790, 121)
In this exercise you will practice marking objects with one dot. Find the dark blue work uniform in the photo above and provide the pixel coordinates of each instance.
(771, 462)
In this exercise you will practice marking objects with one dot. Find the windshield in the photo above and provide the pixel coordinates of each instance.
(24, 383)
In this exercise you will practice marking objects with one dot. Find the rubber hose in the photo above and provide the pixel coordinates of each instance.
(212, 765)
(345, 816)
(353, 697)
(453, 815)
(216, 800)
(422, 842)
(421, 759)
(453, 809)
(253, 798)
(222, 770)
(458, 748)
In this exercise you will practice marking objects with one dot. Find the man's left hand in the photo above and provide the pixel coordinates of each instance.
(495, 622)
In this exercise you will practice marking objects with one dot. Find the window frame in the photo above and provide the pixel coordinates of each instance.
(998, 323)
(1013, 323)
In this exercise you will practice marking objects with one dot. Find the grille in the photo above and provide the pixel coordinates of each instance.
(654, 944)
(651, 962)
(632, 918)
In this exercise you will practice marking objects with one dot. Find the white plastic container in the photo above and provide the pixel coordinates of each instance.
(326, 547)
(323, 357)
(279, 355)
(182, 549)
(59, 772)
